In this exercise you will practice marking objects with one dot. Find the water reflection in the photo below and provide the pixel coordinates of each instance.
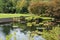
(21, 36)
(2, 35)
(18, 35)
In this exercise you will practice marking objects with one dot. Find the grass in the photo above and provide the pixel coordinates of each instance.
(18, 15)
(13, 15)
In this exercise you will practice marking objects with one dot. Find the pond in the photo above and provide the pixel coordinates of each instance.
(18, 35)
(2, 35)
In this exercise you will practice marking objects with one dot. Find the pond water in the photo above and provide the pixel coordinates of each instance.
(18, 35)
(2, 35)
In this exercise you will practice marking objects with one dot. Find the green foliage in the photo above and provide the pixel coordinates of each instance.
(22, 6)
(52, 34)
(1, 6)
(14, 6)
(7, 8)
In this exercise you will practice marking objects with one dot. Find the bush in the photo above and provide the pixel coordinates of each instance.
(52, 34)
(46, 8)
(37, 8)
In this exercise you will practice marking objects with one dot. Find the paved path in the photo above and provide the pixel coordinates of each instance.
(5, 20)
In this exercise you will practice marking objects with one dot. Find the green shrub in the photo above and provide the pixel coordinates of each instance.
(52, 34)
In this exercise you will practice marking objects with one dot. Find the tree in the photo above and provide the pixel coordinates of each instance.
(1, 6)
(21, 6)
(7, 6)
(37, 8)
(14, 6)
(56, 9)
(46, 8)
